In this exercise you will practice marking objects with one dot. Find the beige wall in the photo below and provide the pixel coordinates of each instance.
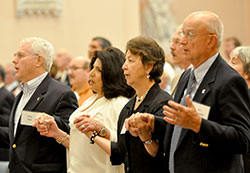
(117, 20)
(235, 14)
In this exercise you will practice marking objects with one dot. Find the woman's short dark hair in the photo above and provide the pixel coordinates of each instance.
(113, 79)
(150, 53)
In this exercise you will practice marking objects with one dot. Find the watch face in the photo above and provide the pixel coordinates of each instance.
(103, 132)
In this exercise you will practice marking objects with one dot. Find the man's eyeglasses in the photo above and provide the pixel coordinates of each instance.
(190, 35)
(176, 42)
(74, 68)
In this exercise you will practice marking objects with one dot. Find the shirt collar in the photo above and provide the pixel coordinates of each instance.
(202, 69)
(1, 84)
(33, 84)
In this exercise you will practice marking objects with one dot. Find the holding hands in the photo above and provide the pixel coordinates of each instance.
(140, 124)
(46, 125)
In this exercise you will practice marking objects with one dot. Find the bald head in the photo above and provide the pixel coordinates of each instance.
(202, 33)
(62, 59)
(78, 72)
(208, 21)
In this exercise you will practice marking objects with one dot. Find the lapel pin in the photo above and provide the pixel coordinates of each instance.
(38, 98)
(203, 91)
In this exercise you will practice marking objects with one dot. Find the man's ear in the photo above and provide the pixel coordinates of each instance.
(212, 41)
(40, 61)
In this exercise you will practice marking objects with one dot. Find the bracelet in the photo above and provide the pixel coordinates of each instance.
(147, 142)
(63, 139)
(92, 138)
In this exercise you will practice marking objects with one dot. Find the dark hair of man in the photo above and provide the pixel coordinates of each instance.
(150, 53)
(2, 73)
(103, 41)
(235, 40)
(113, 79)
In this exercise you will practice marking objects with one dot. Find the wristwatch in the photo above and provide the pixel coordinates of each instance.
(148, 142)
(103, 132)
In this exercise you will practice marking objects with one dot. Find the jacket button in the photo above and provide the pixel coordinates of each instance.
(14, 146)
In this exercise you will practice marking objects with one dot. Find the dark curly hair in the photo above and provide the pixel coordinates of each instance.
(113, 79)
(150, 53)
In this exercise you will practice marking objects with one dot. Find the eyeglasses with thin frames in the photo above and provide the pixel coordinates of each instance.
(190, 35)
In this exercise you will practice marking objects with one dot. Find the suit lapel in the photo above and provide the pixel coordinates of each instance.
(208, 80)
(12, 116)
(182, 84)
(35, 99)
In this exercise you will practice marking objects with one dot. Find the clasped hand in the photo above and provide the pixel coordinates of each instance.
(45, 125)
(140, 124)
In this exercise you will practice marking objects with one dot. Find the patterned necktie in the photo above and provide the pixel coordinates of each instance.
(177, 129)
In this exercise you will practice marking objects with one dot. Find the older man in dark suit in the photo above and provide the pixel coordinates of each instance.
(211, 133)
(6, 102)
(29, 151)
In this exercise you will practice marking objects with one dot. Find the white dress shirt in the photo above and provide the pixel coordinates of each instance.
(28, 90)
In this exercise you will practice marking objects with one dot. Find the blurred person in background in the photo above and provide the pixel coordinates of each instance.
(11, 83)
(62, 60)
(167, 77)
(97, 43)
(178, 57)
(6, 102)
(78, 77)
(230, 43)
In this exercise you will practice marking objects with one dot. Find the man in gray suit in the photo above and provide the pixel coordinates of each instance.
(29, 151)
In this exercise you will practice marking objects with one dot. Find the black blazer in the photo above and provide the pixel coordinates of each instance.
(130, 150)
(222, 139)
(6, 102)
(29, 151)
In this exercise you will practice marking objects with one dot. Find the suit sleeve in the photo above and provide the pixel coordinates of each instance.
(6, 106)
(228, 130)
(65, 107)
(4, 137)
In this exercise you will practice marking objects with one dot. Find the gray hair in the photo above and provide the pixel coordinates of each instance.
(43, 48)
(243, 53)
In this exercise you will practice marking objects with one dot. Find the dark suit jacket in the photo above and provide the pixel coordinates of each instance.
(29, 151)
(222, 139)
(246, 156)
(130, 150)
(6, 102)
